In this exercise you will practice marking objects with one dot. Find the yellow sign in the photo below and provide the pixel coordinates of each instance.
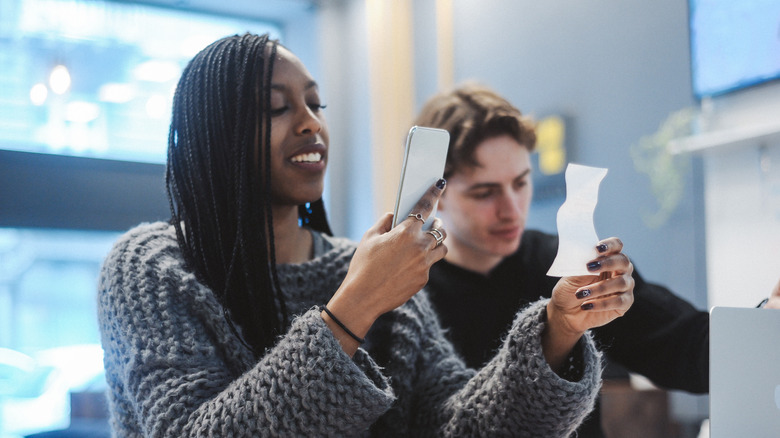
(550, 144)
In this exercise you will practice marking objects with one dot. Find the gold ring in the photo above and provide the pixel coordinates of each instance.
(437, 234)
(417, 216)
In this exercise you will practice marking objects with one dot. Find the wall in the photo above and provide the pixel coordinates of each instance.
(742, 183)
(615, 70)
(345, 88)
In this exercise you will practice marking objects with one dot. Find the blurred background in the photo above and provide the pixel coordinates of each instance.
(678, 99)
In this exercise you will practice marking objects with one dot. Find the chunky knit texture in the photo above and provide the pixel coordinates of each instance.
(175, 368)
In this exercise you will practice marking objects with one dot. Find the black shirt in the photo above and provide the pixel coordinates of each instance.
(661, 336)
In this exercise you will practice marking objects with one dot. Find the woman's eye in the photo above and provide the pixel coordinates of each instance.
(278, 111)
(317, 107)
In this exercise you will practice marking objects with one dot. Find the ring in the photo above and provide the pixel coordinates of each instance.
(438, 235)
(417, 216)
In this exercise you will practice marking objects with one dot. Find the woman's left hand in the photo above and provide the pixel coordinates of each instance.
(584, 302)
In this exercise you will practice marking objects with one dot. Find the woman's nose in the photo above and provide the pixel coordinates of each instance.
(308, 122)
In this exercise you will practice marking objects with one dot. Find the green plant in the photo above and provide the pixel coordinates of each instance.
(666, 171)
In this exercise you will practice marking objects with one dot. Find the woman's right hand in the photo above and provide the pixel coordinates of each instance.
(388, 268)
(774, 298)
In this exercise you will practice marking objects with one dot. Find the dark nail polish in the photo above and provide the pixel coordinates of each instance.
(583, 293)
(594, 266)
(601, 248)
(441, 183)
(586, 306)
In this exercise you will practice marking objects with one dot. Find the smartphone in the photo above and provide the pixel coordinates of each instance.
(424, 158)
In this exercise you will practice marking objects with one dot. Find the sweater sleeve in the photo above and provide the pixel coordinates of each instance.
(175, 369)
(516, 393)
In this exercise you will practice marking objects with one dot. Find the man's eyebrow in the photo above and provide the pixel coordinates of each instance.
(484, 185)
(478, 186)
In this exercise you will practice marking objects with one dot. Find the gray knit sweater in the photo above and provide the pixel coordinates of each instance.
(174, 367)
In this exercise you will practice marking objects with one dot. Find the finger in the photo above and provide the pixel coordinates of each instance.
(438, 253)
(438, 235)
(619, 302)
(422, 209)
(383, 225)
(619, 284)
(437, 223)
(609, 245)
(618, 263)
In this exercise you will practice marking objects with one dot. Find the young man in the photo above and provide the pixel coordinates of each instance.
(495, 266)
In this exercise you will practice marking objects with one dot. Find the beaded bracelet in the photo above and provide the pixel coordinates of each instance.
(343, 327)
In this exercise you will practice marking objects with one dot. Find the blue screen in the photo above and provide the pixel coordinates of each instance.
(734, 44)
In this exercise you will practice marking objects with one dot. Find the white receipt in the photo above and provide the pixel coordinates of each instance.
(577, 237)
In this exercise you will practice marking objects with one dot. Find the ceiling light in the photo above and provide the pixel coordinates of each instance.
(38, 94)
(59, 80)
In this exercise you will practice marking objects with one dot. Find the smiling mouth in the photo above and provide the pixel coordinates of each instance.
(312, 157)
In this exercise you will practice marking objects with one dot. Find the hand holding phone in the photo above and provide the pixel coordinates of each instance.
(424, 159)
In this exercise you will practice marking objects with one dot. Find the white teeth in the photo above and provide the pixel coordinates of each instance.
(313, 157)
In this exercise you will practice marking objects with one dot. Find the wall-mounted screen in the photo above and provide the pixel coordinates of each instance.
(734, 44)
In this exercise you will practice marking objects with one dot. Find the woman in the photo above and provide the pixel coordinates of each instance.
(214, 324)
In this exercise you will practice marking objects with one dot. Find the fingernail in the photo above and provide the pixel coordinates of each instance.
(583, 293)
(441, 183)
(601, 248)
(594, 266)
(586, 306)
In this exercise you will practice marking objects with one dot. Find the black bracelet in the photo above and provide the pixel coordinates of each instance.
(343, 327)
(763, 303)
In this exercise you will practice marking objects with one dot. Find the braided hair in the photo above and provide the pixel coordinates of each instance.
(218, 178)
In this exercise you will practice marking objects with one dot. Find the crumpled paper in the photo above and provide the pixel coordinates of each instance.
(577, 237)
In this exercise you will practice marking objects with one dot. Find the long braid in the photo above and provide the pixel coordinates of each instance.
(259, 290)
(256, 203)
(240, 301)
(266, 124)
(220, 202)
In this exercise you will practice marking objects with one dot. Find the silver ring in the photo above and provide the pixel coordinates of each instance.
(417, 216)
(438, 235)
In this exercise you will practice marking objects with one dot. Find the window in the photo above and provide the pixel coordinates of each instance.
(49, 340)
(85, 97)
(96, 79)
